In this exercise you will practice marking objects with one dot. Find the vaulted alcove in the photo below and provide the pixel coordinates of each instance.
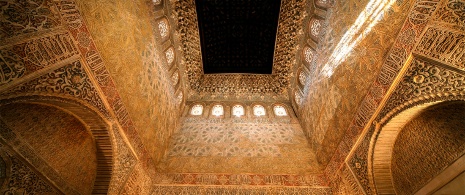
(57, 139)
(427, 145)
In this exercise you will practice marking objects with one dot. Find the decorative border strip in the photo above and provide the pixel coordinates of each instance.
(227, 179)
(239, 190)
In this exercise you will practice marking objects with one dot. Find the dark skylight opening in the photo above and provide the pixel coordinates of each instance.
(238, 36)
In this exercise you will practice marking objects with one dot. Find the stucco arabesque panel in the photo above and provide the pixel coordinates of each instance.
(435, 74)
(23, 57)
(22, 17)
(15, 172)
(68, 81)
(125, 23)
(418, 17)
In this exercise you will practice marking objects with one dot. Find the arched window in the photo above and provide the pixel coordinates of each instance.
(169, 55)
(259, 110)
(279, 111)
(163, 27)
(217, 110)
(175, 78)
(302, 78)
(179, 98)
(308, 55)
(197, 110)
(315, 27)
(238, 110)
(297, 98)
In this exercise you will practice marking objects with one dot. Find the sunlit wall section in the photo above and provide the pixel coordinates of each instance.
(342, 49)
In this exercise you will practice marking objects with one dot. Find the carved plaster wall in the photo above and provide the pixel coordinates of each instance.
(20, 178)
(49, 56)
(235, 141)
(336, 85)
(425, 78)
(127, 36)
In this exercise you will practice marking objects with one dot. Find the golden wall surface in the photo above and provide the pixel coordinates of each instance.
(48, 56)
(124, 35)
(332, 99)
(423, 67)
